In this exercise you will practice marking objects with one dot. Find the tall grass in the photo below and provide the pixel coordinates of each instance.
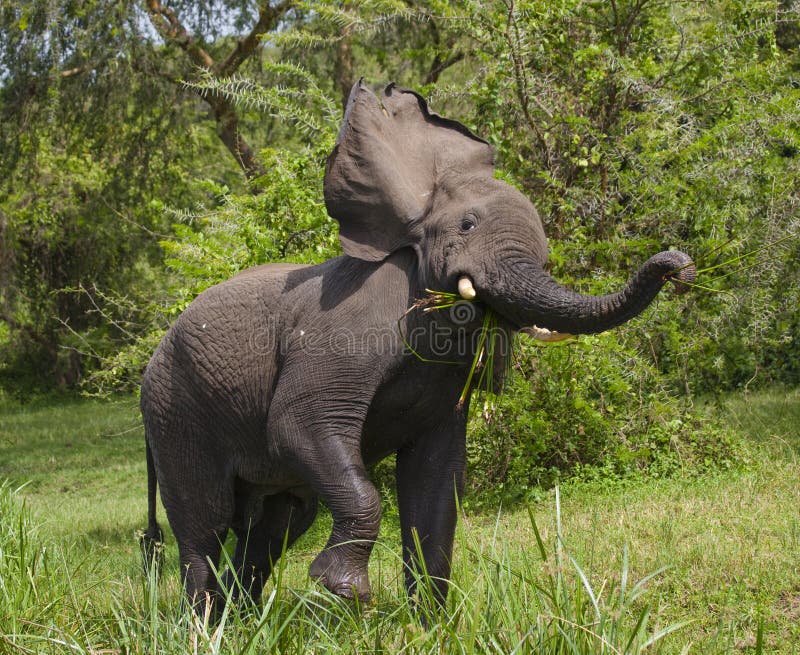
(545, 603)
(71, 581)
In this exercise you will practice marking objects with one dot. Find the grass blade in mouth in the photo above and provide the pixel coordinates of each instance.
(483, 360)
(433, 301)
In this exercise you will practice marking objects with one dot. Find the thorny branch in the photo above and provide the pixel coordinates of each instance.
(521, 79)
(172, 30)
(440, 63)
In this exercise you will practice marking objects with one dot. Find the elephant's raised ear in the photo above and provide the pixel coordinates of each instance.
(389, 156)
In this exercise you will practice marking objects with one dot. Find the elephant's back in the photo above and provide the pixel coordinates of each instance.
(220, 357)
(266, 272)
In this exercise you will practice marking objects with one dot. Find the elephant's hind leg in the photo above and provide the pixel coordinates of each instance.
(200, 523)
(283, 519)
(199, 557)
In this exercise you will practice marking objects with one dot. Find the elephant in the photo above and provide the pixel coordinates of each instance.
(285, 383)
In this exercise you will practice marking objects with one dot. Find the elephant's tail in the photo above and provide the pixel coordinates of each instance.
(152, 540)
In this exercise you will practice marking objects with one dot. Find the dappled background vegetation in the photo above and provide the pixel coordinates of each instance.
(152, 149)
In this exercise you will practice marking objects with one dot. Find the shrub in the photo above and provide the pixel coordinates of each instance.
(592, 407)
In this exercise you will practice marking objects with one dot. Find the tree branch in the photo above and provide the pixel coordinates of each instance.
(522, 84)
(343, 67)
(438, 66)
(169, 26)
(228, 131)
(268, 18)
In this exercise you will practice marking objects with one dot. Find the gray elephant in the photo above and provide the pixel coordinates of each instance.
(285, 383)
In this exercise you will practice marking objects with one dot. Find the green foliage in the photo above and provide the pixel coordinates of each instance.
(634, 126)
(288, 93)
(589, 409)
(67, 245)
(286, 221)
(653, 125)
(97, 137)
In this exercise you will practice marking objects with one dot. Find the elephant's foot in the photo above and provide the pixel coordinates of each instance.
(335, 569)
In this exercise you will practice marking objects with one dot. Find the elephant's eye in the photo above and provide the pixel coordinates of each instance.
(468, 223)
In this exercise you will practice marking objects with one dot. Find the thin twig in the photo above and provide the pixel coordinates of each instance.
(747, 254)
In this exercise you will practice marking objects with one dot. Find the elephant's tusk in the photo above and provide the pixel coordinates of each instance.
(543, 334)
(465, 288)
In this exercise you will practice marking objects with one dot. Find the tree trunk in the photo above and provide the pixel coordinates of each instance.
(343, 68)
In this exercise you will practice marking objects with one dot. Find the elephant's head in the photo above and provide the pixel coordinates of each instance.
(401, 176)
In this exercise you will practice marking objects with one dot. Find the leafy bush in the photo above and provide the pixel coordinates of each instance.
(591, 408)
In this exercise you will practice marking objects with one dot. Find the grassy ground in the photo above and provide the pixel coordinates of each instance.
(70, 577)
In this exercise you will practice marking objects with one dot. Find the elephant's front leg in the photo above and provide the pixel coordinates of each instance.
(430, 478)
(316, 423)
(356, 510)
(328, 457)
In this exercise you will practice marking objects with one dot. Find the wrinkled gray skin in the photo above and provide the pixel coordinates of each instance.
(283, 384)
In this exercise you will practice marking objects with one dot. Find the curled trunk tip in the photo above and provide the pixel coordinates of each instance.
(684, 277)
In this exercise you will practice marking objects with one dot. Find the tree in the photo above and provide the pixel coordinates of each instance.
(96, 141)
(198, 57)
(100, 135)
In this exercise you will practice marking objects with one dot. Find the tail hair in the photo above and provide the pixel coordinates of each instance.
(151, 543)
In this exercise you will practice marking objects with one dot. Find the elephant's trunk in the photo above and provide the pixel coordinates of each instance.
(526, 295)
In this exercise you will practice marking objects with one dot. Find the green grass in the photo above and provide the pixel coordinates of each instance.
(725, 546)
